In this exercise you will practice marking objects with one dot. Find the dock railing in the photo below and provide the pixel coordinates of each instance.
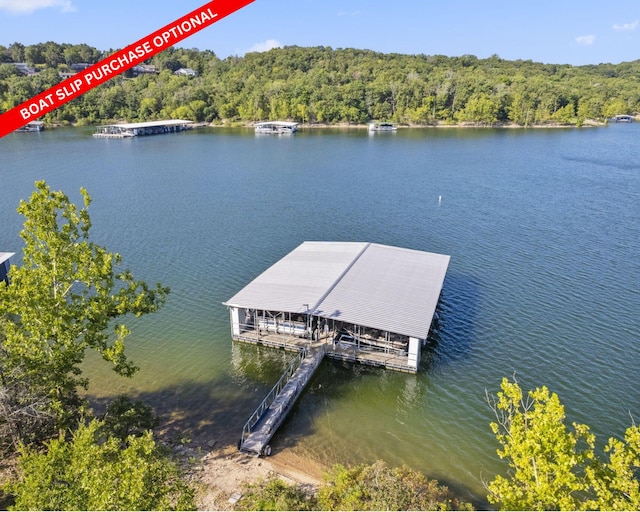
(272, 395)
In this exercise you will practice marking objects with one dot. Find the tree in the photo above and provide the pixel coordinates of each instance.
(541, 451)
(615, 483)
(480, 109)
(66, 298)
(274, 494)
(565, 115)
(91, 472)
(552, 467)
(378, 487)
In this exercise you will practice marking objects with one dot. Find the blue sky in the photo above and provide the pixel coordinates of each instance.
(574, 32)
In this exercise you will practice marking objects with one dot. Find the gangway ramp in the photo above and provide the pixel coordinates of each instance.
(267, 418)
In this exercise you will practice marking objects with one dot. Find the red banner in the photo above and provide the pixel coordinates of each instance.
(133, 55)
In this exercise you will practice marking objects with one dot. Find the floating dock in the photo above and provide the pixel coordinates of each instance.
(352, 301)
(368, 303)
(264, 422)
(126, 130)
(276, 127)
(32, 126)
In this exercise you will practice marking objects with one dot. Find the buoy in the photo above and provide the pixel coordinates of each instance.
(439, 199)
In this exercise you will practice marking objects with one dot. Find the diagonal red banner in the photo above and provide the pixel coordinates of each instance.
(124, 59)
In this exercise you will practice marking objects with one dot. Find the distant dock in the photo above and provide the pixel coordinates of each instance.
(276, 127)
(622, 118)
(126, 130)
(32, 126)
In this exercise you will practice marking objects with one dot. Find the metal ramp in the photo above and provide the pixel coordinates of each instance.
(264, 422)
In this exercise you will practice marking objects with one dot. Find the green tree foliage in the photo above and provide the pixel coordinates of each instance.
(91, 472)
(378, 487)
(126, 417)
(274, 494)
(321, 84)
(362, 487)
(553, 467)
(66, 298)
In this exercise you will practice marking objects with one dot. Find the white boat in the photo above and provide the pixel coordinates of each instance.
(276, 127)
(382, 127)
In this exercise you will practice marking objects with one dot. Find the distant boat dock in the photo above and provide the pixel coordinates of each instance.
(382, 127)
(360, 302)
(276, 127)
(32, 126)
(126, 130)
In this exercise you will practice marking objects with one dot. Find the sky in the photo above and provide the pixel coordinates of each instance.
(575, 32)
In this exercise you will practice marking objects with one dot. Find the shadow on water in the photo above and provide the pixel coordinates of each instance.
(452, 337)
(203, 412)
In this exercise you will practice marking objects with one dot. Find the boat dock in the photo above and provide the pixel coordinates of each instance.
(352, 301)
(264, 422)
(125, 130)
(276, 127)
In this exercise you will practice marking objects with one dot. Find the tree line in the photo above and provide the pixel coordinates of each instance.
(326, 85)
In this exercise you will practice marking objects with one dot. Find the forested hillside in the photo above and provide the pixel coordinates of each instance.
(325, 85)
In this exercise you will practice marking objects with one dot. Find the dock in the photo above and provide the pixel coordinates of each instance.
(267, 418)
(358, 302)
(126, 130)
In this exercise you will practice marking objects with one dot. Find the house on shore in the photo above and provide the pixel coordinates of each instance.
(362, 302)
(185, 72)
(144, 69)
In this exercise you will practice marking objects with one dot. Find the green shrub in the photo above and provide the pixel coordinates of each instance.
(378, 487)
(274, 494)
(91, 472)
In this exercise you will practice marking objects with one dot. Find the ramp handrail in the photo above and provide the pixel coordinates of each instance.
(271, 396)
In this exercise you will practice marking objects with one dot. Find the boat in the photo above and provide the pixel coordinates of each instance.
(276, 127)
(383, 127)
(32, 126)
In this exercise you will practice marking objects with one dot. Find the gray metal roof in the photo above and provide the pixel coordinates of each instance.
(150, 124)
(4, 256)
(377, 286)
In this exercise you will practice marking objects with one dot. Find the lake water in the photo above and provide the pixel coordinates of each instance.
(543, 229)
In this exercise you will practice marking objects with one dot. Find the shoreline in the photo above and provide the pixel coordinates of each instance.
(439, 125)
(589, 123)
(220, 473)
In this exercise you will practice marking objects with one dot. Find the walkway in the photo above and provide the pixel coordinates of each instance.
(273, 410)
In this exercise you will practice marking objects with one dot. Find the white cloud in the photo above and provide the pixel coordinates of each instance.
(626, 26)
(586, 40)
(28, 6)
(265, 46)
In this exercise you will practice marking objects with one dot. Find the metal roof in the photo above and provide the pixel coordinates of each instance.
(276, 123)
(150, 124)
(373, 285)
(4, 256)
